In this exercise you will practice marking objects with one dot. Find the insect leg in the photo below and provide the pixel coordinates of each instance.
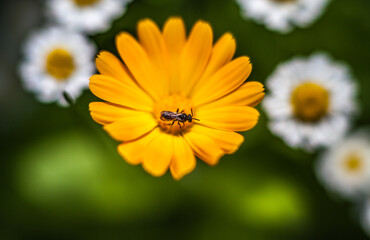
(179, 123)
(191, 111)
(177, 111)
(173, 122)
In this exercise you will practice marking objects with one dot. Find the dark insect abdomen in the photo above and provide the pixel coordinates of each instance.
(165, 115)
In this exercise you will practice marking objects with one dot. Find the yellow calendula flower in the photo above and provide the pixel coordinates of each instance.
(197, 83)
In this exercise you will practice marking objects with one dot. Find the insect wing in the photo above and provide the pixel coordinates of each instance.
(168, 115)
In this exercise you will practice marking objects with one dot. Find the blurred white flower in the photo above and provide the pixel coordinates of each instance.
(365, 217)
(57, 60)
(311, 101)
(345, 167)
(282, 15)
(90, 16)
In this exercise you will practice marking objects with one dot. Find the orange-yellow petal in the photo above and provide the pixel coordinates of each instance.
(195, 56)
(105, 113)
(222, 53)
(204, 147)
(132, 151)
(108, 64)
(229, 118)
(131, 127)
(139, 64)
(174, 36)
(224, 81)
(183, 161)
(120, 92)
(158, 154)
(248, 94)
(152, 41)
(228, 141)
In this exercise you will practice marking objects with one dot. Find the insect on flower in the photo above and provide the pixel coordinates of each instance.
(177, 116)
(167, 70)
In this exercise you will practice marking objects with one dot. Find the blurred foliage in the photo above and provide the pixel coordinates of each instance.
(70, 169)
(62, 177)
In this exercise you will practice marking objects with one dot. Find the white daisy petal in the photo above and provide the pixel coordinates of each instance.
(345, 167)
(325, 121)
(34, 71)
(90, 16)
(282, 15)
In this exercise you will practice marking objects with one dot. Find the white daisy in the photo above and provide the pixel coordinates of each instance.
(345, 167)
(311, 101)
(57, 60)
(89, 16)
(282, 15)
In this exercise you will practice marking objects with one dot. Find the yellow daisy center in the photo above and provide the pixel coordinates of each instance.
(85, 3)
(60, 64)
(173, 103)
(310, 102)
(353, 163)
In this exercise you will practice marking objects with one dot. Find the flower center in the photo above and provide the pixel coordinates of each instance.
(84, 3)
(60, 64)
(310, 102)
(176, 120)
(353, 163)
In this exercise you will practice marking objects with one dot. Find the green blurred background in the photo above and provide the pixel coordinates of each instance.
(61, 177)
